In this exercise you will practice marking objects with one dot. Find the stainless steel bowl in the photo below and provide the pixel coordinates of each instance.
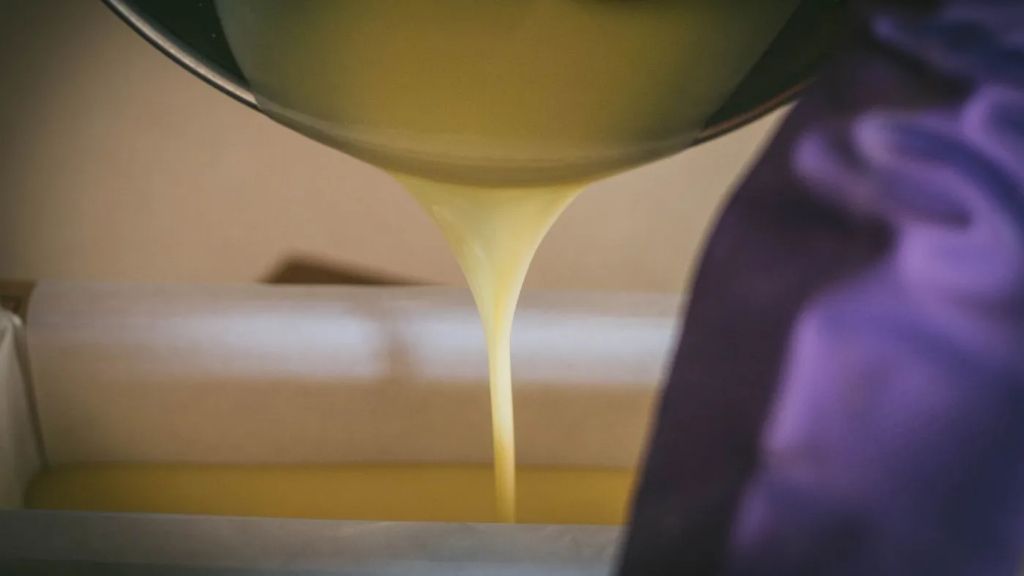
(189, 32)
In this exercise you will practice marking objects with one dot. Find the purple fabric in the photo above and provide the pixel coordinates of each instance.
(848, 397)
(897, 443)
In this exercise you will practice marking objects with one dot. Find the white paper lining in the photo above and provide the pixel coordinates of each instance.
(19, 455)
(273, 374)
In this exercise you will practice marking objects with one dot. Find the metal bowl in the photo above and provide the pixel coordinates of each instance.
(189, 32)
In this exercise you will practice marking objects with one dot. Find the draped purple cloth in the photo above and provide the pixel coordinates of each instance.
(848, 395)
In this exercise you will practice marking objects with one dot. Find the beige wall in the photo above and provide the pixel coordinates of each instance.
(117, 165)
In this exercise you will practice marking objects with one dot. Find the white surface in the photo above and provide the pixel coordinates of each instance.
(260, 374)
(19, 458)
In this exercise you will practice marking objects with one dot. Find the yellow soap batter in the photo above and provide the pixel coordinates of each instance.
(411, 493)
(494, 234)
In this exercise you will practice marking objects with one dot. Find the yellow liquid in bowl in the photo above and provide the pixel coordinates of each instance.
(499, 92)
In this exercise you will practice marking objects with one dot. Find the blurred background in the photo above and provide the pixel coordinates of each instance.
(117, 165)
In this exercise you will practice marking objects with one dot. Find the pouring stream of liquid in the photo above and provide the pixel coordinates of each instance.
(494, 234)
